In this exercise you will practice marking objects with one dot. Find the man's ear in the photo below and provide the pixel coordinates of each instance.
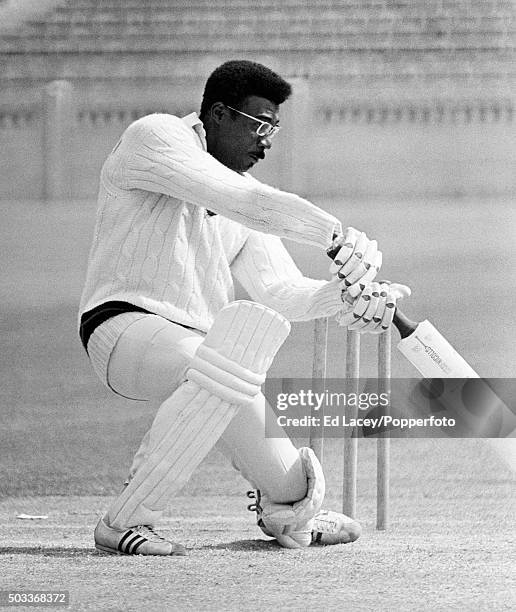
(217, 111)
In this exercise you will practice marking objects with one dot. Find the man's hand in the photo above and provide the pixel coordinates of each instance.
(373, 310)
(356, 259)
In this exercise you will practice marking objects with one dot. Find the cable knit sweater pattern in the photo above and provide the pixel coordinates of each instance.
(156, 246)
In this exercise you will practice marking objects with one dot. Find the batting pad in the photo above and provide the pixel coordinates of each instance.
(225, 375)
(291, 524)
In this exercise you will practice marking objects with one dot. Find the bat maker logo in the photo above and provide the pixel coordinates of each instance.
(435, 357)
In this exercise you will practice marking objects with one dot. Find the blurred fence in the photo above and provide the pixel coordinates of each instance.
(390, 98)
(53, 145)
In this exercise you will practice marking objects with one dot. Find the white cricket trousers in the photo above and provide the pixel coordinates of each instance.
(148, 361)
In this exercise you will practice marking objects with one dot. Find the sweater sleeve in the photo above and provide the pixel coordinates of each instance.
(268, 273)
(159, 153)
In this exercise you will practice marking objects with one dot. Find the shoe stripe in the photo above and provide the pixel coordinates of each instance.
(127, 534)
(129, 543)
(137, 545)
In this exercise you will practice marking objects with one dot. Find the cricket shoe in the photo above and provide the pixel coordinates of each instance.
(334, 528)
(140, 540)
(328, 527)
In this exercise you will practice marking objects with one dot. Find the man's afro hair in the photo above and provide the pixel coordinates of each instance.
(233, 81)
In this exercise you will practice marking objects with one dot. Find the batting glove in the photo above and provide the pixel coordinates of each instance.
(373, 309)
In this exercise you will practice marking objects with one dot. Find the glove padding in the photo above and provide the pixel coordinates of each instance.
(291, 524)
(356, 259)
(373, 309)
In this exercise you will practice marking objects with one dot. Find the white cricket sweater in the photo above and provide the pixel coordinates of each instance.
(156, 247)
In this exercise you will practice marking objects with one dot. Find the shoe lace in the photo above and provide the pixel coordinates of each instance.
(254, 507)
(148, 532)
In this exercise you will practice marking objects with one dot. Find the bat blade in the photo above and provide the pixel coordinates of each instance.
(430, 353)
(435, 358)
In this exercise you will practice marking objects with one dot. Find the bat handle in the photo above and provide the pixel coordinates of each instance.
(403, 324)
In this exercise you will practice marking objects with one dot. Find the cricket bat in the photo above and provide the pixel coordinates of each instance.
(477, 404)
(429, 351)
(435, 358)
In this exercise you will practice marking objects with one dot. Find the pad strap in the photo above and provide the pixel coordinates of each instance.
(223, 377)
(232, 362)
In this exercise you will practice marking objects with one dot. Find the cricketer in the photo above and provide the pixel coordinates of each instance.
(179, 218)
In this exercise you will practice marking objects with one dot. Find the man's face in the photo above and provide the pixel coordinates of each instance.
(237, 145)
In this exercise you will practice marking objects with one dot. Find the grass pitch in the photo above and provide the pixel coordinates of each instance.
(450, 545)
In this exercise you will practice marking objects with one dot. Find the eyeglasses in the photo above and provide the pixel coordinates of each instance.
(265, 129)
